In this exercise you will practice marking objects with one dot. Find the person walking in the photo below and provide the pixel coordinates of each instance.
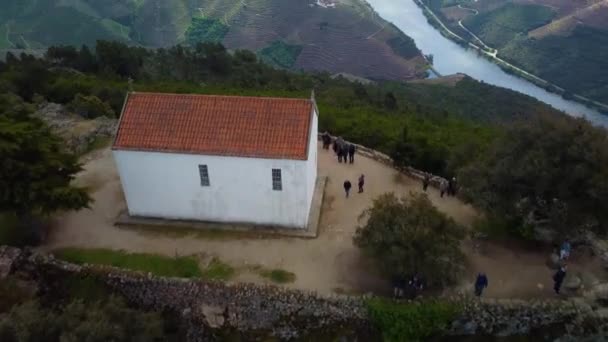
(347, 187)
(426, 181)
(558, 279)
(351, 153)
(564, 251)
(326, 138)
(443, 187)
(480, 284)
(361, 183)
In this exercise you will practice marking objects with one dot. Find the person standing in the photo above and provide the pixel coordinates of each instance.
(564, 251)
(326, 138)
(361, 183)
(443, 187)
(480, 284)
(347, 187)
(351, 153)
(558, 279)
(426, 181)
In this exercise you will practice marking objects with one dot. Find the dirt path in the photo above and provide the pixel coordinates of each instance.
(325, 264)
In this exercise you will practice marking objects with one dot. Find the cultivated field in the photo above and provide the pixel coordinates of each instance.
(349, 38)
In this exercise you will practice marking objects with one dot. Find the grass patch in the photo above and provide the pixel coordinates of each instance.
(414, 321)
(218, 270)
(185, 267)
(278, 276)
(280, 54)
(98, 144)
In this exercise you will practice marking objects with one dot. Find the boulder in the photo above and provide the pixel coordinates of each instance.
(214, 315)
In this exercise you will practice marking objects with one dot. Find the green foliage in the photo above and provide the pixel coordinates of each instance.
(91, 107)
(35, 173)
(218, 270)
(577, 62)
(408, 235)
(547, 171)
(280, 54)
(279, 276)
(403, 46)
(205, 30)
(109, 320)
(412, 321)
(185, 267)
(498, 27)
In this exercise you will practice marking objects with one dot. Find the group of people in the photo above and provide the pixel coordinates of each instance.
(348, 185)
(344, 151)
(448, 187)
(558, 277)
(408, 287)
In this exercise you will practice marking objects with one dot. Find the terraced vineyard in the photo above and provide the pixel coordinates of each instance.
(349, 38)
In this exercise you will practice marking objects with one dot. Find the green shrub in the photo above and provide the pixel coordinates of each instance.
(91, 107)
(186, 267)
(218, 270)
(279, 276)
(413, 321)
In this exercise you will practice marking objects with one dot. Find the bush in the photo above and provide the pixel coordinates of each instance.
(408, 236)
(110, 320)
(91, 107)
(186, 267)
(413, 321)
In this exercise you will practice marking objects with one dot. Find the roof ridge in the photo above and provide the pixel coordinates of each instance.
(221, 95)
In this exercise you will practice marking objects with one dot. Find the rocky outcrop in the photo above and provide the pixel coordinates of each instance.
(78, 133)
(287, 314)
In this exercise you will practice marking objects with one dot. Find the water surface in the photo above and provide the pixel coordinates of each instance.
(450, 58)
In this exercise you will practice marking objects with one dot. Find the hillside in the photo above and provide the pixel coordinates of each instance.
(292, 34)
(564, 42)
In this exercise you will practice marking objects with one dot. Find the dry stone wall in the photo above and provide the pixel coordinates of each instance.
(287, 314)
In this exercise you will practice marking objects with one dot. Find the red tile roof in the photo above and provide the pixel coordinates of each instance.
(259, 127)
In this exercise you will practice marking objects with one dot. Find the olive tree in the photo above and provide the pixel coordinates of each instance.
(408, 235)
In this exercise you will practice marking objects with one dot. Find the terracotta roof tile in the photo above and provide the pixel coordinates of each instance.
(260, 127)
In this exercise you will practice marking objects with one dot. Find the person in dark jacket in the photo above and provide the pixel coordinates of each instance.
(351, 153)
(347, 187)
(558, 279)
(361, 183)
(480, 284)
(326, 138)
(426, 181)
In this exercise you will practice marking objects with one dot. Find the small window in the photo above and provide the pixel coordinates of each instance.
(277, 184)
(204, 174)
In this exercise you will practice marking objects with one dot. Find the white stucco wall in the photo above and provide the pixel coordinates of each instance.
(311, 163)
(167, 185)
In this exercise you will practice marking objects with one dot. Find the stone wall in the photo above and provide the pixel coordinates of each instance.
(288, 313)
(386, 160)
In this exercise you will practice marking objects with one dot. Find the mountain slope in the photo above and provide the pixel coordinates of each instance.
(348, 37)
(562, 41)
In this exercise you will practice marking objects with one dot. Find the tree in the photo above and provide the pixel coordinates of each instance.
(407, 236)
(549, 171)
(35, 172)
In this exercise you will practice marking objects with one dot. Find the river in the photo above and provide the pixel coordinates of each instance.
(450, 58)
